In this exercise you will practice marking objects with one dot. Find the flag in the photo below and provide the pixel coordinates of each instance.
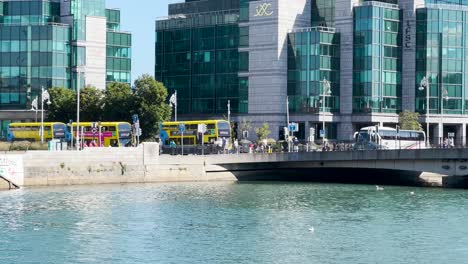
(424, 82)
(34, 104)
(45, 96)
(445, 94)
(173, 99)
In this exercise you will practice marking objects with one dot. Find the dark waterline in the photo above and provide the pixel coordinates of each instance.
(233, 223)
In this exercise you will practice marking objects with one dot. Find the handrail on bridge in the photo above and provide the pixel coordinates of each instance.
(10, 183)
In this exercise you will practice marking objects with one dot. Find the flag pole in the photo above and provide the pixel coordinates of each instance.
(42, 114)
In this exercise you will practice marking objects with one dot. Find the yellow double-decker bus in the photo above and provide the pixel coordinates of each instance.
(32, 131)
(114, 134)
(214, 129)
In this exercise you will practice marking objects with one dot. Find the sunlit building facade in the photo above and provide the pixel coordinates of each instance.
(57, 43)
(343, 63)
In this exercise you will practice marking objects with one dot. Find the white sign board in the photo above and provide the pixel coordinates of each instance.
(11, 168)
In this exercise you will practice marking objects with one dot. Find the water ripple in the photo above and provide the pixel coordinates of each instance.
(233, 223)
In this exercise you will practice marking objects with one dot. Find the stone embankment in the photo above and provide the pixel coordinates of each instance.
(102, 166)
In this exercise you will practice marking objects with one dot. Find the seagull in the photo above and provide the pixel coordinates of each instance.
(412, 193)
(312, 229)
(378, 188)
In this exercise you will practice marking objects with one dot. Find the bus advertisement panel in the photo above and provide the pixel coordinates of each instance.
(215, 129)
(32, 131)
(115, 134)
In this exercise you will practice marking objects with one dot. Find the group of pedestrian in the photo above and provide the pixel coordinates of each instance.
(448, 143)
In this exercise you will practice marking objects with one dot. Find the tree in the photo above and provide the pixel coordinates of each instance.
(152, 108)
(91, 100)
(118, 103)
(263, 132)
(409, 121)
(63, 105)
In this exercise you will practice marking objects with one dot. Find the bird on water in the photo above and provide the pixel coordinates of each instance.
(378, 188)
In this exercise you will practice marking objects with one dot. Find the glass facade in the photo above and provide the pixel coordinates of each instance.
(313, 56)
(442, 35)
(31, 57)
(199, 57)
(377, 59)
(119, 53)
(82, 8)
(25, 12)
(447, 2)
(323, 13)
(37, 49)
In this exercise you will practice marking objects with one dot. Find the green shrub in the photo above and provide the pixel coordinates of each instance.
(20, 146)
(38, 146)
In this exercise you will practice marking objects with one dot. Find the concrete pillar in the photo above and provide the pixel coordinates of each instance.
(307, 130)
(438, 135)
(409, 52)
(344, 26)
(461, 135)
(345, 131)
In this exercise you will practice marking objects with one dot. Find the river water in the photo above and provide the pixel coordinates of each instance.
(234, 223)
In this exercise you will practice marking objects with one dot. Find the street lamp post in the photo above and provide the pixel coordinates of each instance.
(326, 91)
(287, 126)
(229, 111)
(78, 131)
(424, 85)
(444, 97)
(44, 97)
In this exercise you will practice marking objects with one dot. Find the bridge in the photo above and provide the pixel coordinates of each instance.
(427, 167)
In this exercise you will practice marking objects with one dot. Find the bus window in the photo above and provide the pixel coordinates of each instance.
(125, 127)
(223, 125)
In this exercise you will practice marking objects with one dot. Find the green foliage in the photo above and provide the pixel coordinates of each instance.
(151, 105)
(409, 121)
(116, 103)
(263, 132)
(91, 101)
(245, 125)
(63, 107)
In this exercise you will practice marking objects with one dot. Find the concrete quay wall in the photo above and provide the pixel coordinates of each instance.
(112, 166)
(145, 165)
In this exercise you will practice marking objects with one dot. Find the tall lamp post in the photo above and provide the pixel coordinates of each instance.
(78, 88)
(326, 92)
(445, 97)
(44, 97)
(287, 126)
(229, 111)
(424, 85)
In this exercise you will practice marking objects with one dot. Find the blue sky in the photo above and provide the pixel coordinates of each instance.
(138, 17)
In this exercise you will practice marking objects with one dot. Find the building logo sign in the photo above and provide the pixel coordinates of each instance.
(263, 10)
(408, 38)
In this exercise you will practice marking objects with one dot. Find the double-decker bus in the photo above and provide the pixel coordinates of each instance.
(114, 134)
(389, 138)
(32, 131)
(215, 129)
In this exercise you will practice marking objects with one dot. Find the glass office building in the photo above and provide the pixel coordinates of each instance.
(372, 54)
(198, 56)
(377, 58)
(57, 43)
